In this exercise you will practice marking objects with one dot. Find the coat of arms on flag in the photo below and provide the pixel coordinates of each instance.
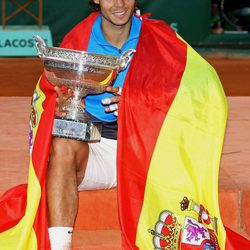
(195, 233)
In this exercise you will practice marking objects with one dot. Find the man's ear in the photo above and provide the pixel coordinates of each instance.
(96, 1)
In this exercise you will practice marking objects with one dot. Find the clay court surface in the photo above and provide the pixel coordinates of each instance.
(18, 77)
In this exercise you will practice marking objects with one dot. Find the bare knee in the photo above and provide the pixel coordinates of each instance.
(68, 155)
(61, 151)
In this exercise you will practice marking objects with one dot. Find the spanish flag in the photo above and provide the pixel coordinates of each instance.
(23, 223)
(23, 212)
(172, 119)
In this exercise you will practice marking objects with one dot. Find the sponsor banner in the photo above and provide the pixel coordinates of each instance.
(19, 41)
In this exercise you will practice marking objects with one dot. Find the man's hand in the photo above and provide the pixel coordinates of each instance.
(63, 98)
(113, 101)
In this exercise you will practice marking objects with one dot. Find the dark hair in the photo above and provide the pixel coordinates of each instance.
(96, 7)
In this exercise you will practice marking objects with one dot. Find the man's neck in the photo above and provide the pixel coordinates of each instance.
(114, 34)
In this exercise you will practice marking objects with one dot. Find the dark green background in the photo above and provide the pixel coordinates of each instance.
(190, 17)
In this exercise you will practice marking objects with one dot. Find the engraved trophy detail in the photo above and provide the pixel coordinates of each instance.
(85, 73)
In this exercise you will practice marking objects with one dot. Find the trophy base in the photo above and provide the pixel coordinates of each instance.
(77, 130)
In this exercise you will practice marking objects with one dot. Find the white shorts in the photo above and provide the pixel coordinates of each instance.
(101, 167)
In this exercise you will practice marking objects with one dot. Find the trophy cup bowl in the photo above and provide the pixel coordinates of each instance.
(84, 73)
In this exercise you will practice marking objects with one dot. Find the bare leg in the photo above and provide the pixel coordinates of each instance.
(67, 164)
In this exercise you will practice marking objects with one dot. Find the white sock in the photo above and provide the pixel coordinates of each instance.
(60, 238)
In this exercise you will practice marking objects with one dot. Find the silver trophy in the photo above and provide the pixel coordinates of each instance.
(85, 73)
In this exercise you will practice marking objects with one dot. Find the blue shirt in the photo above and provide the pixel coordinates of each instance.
(98, 44)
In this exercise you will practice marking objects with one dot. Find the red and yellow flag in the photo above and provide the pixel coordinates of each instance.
(172, 120)
(23, 219)
(23, 223)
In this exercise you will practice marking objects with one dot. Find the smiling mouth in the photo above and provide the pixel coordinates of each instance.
(119, 13)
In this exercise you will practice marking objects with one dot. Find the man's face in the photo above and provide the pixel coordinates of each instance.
(117, 12)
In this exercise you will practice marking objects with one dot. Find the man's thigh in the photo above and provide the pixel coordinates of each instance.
(101, 166)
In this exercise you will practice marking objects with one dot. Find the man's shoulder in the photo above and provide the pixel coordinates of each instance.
(154, 25)
(78, 36)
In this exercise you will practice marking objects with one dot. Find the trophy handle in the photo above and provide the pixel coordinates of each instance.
(40, 46)
(125, 59)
